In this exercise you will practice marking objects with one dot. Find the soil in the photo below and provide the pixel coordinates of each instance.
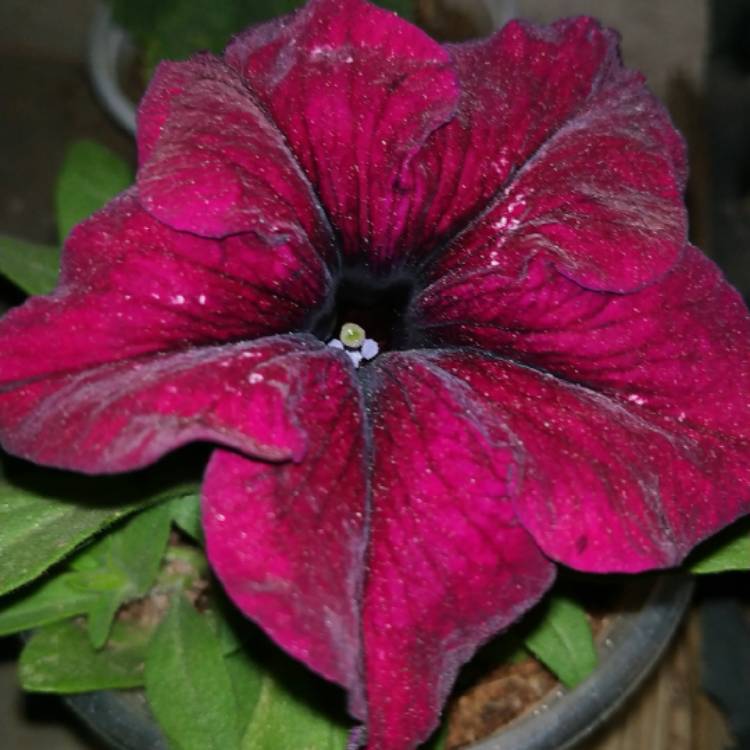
(504, 694)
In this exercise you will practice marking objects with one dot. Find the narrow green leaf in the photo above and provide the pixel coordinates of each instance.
(130, 555)
(288, 714)
(40, 524)
(90, 176)
(188, 685)
(725, 552)
(50, 601)
(563, 641)
(60, 659)
(101, 615)
(32, 268)
(136, 549)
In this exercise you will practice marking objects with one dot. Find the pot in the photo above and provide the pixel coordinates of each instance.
(110, 54)
(628, 650)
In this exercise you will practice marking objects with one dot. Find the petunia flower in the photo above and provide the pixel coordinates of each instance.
(436, 309)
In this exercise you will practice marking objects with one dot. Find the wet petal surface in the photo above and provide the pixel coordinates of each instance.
(124, 415)
(131, 286)
(632, 408)
(586, 166)
(287, 539)
(356, 91)
(212, 162)
(448, 563)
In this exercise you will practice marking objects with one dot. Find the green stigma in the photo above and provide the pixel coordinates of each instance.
(352, 335)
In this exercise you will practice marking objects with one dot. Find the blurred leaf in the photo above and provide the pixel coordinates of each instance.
(31, 267)
(727, 551)
(60, 659)
(563, 641)
(405, 8)
(50, 601)
(90, 176)
(188, 685)
(181, 27)
(40, 526)
(139, 17)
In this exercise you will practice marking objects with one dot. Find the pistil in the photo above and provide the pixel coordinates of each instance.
(354, 343)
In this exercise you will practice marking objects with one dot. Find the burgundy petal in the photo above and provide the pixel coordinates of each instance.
(130, 286)
(213, 163)
(124, 415)
(559, 150)
(356, 91)
(638, 440)
(448, 563)
(287, 539)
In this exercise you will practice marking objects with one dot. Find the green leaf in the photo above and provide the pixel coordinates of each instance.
(116, 569)
(186, 513)
(50, 601)
(90, 176)
(405, 8)
(133, 552)
(32, 268)
(288, 713)
(101, 614)
(188, 685)
(60, 659)
(40, 523)
(139, 17)
(563, 641)
(130, 558)
(247, 678)
(727, 551)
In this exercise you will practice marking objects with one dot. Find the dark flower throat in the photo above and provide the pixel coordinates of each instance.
(380, 306)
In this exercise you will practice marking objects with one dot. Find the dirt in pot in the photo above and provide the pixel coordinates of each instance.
(504, 683)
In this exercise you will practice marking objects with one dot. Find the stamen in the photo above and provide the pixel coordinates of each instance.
(370, 348)
(356, 358)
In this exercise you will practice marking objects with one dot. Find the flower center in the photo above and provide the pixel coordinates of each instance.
(353, 340)
(365, 315)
